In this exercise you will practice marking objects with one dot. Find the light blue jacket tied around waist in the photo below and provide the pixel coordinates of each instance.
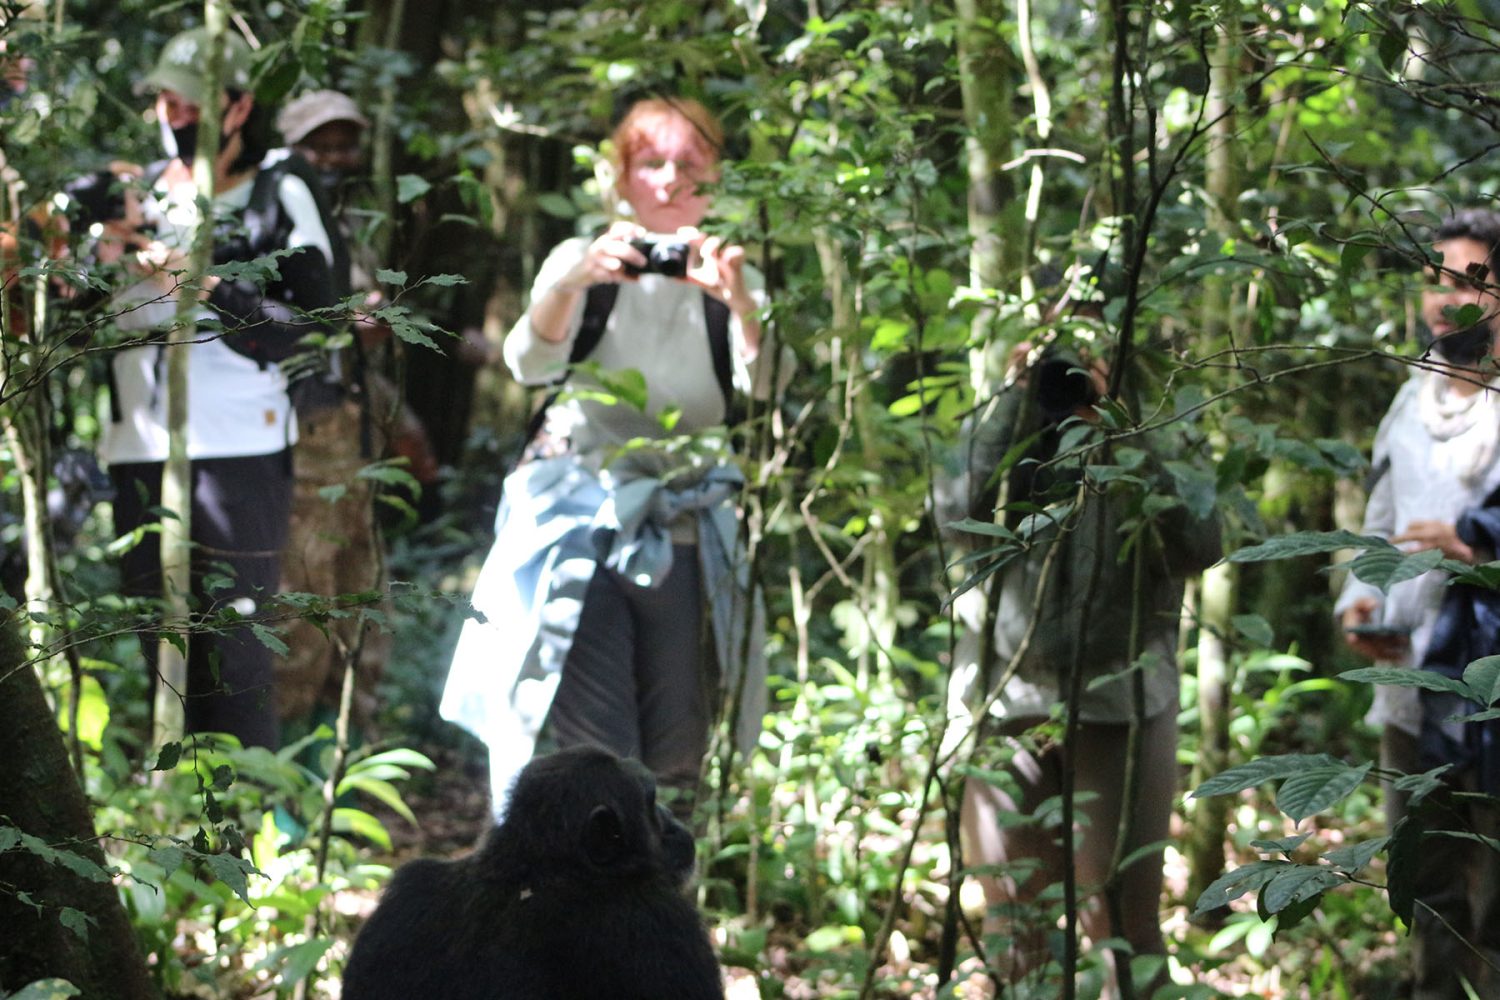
(556, 524)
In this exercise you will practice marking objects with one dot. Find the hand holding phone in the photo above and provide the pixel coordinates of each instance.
(1375, 630)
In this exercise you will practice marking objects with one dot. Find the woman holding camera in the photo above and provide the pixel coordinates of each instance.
(614, 601)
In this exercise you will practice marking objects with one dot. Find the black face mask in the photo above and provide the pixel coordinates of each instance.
(332, 181)
(186, 141)
(1465, 348)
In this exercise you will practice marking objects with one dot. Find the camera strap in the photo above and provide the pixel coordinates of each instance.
(598, 304)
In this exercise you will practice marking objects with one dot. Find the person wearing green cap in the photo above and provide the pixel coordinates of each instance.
(241, 425)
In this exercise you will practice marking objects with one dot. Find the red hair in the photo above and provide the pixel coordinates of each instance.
(644, 115)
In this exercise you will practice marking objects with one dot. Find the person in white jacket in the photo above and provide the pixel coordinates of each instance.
(1436, 453)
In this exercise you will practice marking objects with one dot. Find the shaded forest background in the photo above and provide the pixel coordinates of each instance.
(1253, 184)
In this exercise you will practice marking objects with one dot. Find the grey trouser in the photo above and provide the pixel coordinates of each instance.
(1033, 853)
(638, 677)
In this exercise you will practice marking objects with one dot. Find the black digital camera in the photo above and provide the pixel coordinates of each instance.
(666, 256)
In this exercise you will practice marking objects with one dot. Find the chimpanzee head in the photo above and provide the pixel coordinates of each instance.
(586, 808)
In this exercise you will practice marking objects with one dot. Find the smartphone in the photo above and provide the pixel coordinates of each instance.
(1373, 630)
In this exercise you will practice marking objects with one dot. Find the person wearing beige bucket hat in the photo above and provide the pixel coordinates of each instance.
(348, 416)
(327, 129)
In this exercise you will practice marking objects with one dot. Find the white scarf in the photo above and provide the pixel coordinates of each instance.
(1447, 414)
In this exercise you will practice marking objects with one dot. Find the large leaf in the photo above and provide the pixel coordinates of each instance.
(1406, 677)
(1260, 771)
(1483, 678)
(1308, 543)
(1195, 485)
(1232, 885)
(1351, 858)
(1315, 789)
(1384, 568)
(233, 872)
(1296, 884)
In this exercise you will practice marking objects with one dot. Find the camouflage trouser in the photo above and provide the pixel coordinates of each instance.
(333, 548)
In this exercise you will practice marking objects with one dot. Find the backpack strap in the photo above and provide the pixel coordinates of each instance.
(598, 304)
(716, 318)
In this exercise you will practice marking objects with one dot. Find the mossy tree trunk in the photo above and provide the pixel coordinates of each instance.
(40, 797)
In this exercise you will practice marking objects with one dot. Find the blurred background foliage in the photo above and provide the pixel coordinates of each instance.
(1252, 184)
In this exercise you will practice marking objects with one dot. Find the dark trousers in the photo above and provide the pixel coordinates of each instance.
(240, 508)
(637, 680)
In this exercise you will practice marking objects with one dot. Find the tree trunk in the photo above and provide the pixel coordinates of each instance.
(1215, 672)
(986, 78)
(40, 796)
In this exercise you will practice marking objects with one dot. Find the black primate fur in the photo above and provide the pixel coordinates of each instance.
(577, 894)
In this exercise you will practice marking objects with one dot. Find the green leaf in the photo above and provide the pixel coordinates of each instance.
(1308, 543)
(47, 989)
(1483, 679)
(1196, 486)
(1255, 628)
(410, 187)
(1282, 845)
(1384, 568)
(76, 921)
(387, 277)
(1295, 884)
(381, 790)
(557, 205)
(169, 859)
(1315, 789)
(1486, 575)
(1419, 786)
(1351, 256)
(168, 756)
(1354, 857)
(1403, 862)
(1260, 771)
(1405, 677)
(1232, 885)
(400, 756)
(233, 872)
(362, 824)
(833, 938)
(409, 332)
(269, 638)
(295, 962)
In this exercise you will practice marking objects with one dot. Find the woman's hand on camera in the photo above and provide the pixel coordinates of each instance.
(718, 267)
(607, 260)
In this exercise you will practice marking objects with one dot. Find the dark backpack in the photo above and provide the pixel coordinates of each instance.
(262, 228)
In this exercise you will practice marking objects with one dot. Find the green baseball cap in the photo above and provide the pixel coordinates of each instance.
(183, 63)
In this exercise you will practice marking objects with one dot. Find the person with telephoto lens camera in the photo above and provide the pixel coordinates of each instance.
(1085, 613)
(615, 593)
